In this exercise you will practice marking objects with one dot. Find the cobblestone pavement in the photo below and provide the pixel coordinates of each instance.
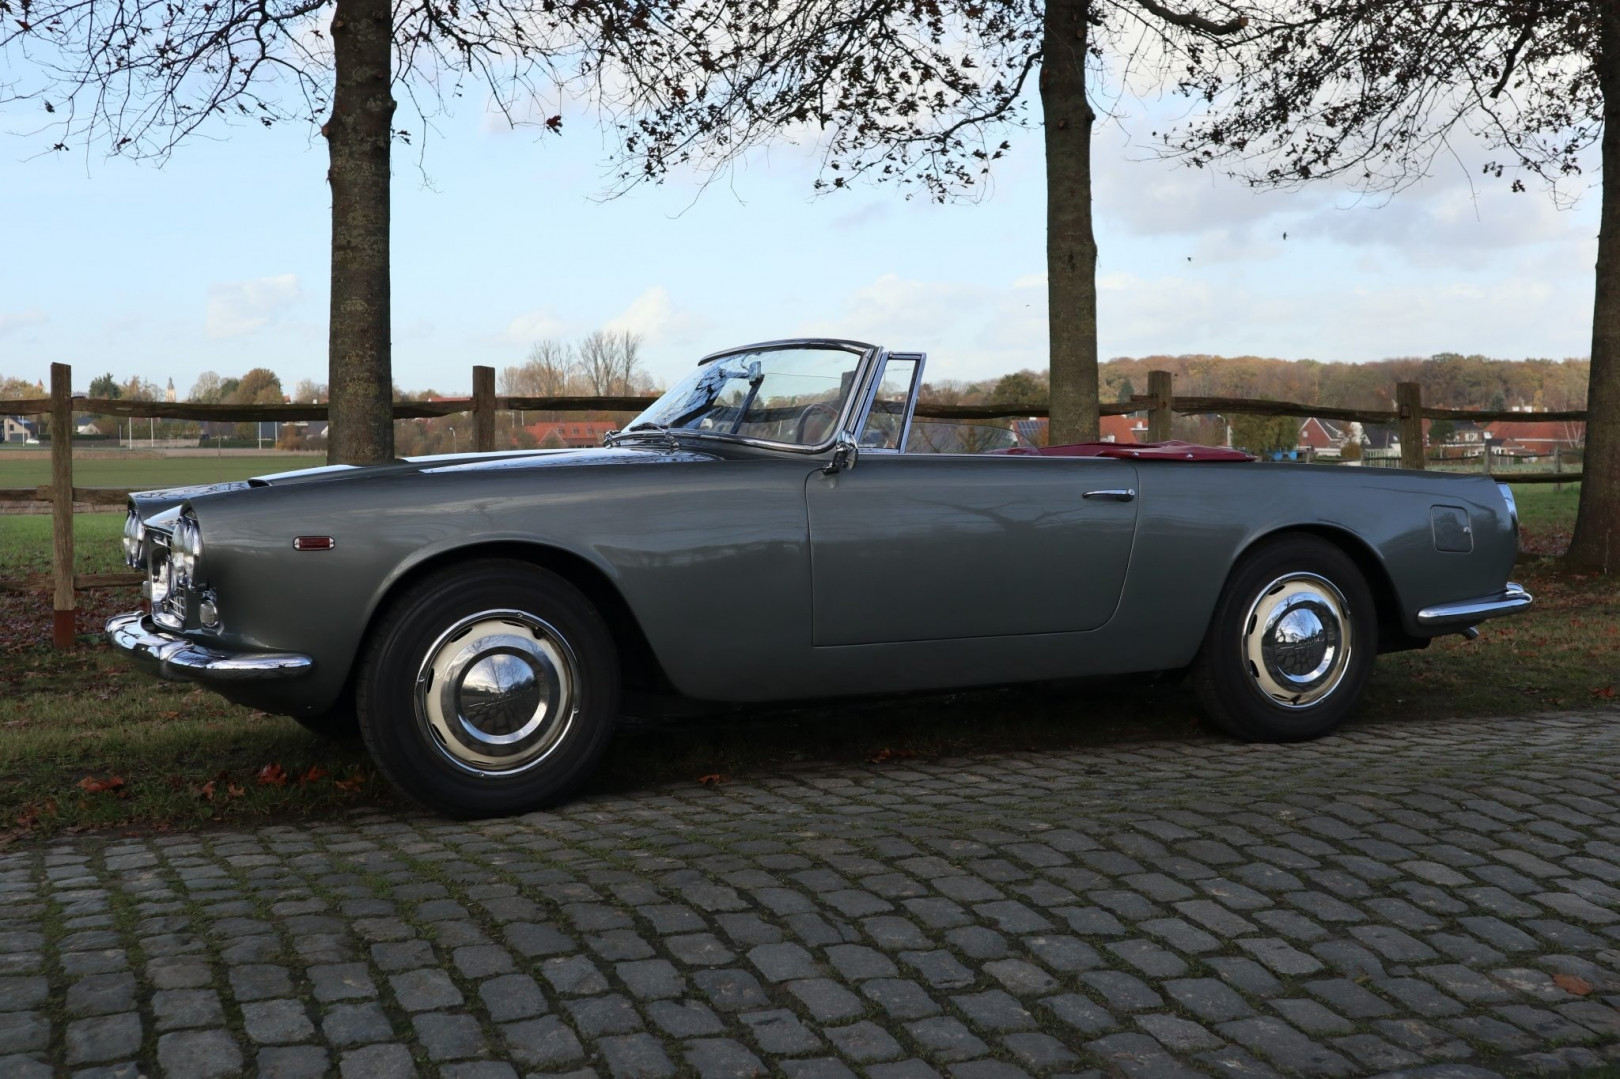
(1436, 899)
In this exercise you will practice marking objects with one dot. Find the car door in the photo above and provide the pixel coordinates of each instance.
(918, 547)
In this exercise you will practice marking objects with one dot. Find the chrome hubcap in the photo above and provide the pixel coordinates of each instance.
(497, 692)
(1296, 640)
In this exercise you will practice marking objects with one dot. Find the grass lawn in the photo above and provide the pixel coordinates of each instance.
(73, 722)
(136, 471)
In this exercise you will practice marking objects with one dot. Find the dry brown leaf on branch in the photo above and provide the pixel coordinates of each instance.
(1573, 985)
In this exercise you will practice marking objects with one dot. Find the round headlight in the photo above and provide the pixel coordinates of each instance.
(187, 550)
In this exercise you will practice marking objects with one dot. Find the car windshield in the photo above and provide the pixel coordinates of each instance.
(788, 395)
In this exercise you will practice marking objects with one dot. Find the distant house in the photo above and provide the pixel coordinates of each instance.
(17, 429)
(1324, 438)
(1536, 438)
(1132, 428)
(571, 433)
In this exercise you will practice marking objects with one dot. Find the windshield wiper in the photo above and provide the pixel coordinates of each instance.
(645, 427)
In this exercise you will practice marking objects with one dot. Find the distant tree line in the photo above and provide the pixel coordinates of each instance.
(1449, 380)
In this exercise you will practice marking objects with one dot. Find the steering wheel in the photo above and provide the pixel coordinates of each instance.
(819, 408)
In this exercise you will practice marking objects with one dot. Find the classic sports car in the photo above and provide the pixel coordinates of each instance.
(779, 526)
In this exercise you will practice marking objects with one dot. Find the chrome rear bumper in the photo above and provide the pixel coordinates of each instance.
(169, 655)
(1511, 600)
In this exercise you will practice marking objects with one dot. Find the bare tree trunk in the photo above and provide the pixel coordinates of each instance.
(357, 138)
(1596, 543)
(1071, 249)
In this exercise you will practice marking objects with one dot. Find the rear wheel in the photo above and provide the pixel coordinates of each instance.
(1291, 644)
(491, 688)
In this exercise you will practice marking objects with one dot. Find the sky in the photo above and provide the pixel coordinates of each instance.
(218, 259)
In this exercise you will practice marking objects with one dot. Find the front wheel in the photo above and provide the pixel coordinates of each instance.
(490, 688)
(1291, 644)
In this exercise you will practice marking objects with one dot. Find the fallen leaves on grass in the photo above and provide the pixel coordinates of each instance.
(1606, 692)
(353, 783)
(114, 784)
(887, 754)
(315, 772)
(713, 779)
(1573, 985)
(272, 775)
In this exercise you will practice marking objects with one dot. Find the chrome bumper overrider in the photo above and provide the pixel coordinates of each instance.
(169, 655)
(1511, 600)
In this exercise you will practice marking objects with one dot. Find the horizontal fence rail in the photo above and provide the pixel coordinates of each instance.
(1159, 404)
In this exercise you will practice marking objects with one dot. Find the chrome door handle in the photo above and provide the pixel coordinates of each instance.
(1121, 495)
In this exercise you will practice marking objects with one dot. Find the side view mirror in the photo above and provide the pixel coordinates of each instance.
(844, 455)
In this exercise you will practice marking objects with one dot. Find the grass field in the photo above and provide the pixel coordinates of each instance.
(135, 471)
(186, 756)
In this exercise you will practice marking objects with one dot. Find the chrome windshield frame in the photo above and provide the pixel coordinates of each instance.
(869, 358)
(878, 370)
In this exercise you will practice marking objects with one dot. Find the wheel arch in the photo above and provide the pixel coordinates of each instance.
(1392, 635)
(639, 666)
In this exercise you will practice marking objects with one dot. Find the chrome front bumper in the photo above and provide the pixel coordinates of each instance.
(169, 655)
(1511, 600)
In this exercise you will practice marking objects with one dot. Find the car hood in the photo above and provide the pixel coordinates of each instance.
(149, 503)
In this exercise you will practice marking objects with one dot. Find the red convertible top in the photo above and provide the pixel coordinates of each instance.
(1143, 451)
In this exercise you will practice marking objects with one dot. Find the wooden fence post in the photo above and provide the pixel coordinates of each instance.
(1409, 407)
(62, 603)
(1160, 388)
(483, 409)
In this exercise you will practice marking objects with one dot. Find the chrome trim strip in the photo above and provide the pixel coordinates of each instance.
(1511, 600)
(171, 656)
(791, 342)
(1124, 494)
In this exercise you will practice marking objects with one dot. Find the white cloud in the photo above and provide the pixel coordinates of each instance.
(969, 329)
(532, 326)
(12, 321)
(240, 307)
(654, 315)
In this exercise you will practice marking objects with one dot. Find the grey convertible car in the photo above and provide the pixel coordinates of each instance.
(779, 526)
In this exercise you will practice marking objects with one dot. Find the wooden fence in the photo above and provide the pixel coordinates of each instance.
(1159, 403)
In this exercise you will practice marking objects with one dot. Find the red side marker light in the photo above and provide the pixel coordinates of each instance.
(313, 543)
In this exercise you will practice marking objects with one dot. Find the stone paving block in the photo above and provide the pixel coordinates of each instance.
(447, 1036)
(258, 981)
(1208, 999)
(993, 1010)
(817, 1068)
(276, 1022)
(22, 1032)
(945, 1038)
(346, 1025)
(389, 1061)
(544, 1043)
(511, 996)
(863, 1043)
(636, 1056)
(198, 1054)
(1178, 1034)
(293, 1062)
(1286, 1047)
(103, 1038)
(722, 1058)
(1141, 1057)
(780, 1033)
